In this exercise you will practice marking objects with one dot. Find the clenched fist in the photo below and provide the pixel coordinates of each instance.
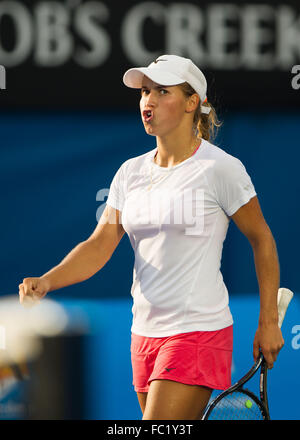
(32, 290)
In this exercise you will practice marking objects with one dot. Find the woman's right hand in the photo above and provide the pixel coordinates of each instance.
(31, 290)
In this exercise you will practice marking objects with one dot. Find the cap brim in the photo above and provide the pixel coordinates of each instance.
(134, 77)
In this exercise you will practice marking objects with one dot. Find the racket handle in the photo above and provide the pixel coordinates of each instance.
(284, 298)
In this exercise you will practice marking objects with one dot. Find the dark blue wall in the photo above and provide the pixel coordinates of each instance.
(53, 165)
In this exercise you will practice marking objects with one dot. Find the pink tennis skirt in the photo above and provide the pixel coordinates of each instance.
(195, 358)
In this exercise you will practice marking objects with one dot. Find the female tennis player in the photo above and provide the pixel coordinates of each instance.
(175, 203)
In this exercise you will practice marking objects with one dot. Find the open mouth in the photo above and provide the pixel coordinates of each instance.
(147, 115)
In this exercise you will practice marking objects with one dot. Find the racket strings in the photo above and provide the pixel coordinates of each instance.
(236, 406)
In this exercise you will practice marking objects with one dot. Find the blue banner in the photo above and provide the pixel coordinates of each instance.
(54, 167)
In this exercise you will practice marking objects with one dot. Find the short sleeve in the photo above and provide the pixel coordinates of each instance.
(233, 185)
(116, 196)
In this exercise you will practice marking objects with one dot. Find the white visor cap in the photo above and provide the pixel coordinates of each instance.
(170, 70)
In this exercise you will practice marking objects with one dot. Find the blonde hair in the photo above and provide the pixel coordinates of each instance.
(206, 126)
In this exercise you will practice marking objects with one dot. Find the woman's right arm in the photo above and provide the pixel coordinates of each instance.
(87, 258)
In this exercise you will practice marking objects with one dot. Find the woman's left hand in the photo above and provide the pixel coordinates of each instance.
(268, 339)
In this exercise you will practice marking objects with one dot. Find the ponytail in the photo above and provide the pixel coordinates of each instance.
(206, 125)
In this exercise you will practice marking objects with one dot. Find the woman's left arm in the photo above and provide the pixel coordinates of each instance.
(249, 219)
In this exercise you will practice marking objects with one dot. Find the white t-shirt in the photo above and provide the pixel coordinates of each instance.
(177, 227)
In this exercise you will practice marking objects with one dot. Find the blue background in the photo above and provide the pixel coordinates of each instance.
(53, 165)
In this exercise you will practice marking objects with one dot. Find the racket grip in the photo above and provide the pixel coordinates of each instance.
(284, 298)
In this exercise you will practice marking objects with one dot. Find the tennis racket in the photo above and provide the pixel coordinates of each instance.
(239, 403)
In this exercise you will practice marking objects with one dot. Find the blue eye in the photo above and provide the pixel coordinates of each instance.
(163, 91)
